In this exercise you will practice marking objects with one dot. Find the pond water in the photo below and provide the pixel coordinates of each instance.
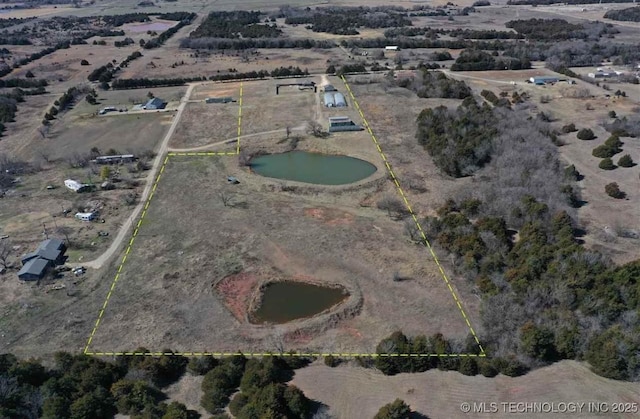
(316, 168)
(288, 300)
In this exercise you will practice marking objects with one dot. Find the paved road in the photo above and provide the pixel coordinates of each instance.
(157, 163)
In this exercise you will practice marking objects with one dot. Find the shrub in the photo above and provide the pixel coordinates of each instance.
(613, 190)
(29, 74)
(602, 152)
(569, 128)
(397, 409)
(572, 173)
(607, 164)
(626, 161)
(612, 114)
(331, 69)
(586, 134)
(84, 62)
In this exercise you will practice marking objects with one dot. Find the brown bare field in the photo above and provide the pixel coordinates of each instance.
(62, 68)
(162, 304)
(439, 394)
(210, 64)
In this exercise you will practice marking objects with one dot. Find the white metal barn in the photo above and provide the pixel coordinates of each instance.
(329, 100)
(339, 100)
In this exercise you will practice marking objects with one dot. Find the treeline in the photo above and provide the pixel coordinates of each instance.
(414, 43)
(547, 29)
(144, 83)
(103, 74)
(24, 83)
(344, 20)
(436, 345)
(431, 84)
(260, 386)
(35, 56)
(566, 54)
(9, 103)
(186, 19)
(261, 74)
(242, 44)
(12, 21)
(79, 386)
(239, 24)
(631, 14)
(548, 2)
(544, 296)
(478, 60)
(458, 141)
(455, 33)
(14, 40)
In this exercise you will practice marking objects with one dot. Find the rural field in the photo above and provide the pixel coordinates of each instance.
(475, 196)
(270, 232)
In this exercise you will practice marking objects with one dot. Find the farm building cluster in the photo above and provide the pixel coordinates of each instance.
(36, 264)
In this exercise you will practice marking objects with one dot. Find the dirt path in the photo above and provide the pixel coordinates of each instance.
(256, 134)
(162, 150)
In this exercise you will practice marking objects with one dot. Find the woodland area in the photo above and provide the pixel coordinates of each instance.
(82, 387)
(515, 236)
(631, 14)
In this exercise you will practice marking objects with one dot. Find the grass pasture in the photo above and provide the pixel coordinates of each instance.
(195, 242)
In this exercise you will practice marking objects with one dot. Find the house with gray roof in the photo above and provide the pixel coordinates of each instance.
(155, 103)
(34, 270)
(51, 250)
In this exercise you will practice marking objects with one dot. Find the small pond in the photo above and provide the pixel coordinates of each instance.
(316, 168)
(288, 300)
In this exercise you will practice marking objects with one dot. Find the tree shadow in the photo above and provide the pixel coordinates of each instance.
(418, 415)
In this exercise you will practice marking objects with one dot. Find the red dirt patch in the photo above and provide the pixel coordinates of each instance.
(236, 293)
(330, 216)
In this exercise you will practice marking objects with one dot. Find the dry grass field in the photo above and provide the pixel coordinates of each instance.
(439, 394)
(195, 241)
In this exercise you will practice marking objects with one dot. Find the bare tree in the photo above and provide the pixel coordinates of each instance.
(288, 128)
(315, 129)
(5, 253)
(394, 207)
(226, 198)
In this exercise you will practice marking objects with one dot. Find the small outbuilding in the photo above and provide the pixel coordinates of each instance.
(330, 88)
(343, 123)
(155, 103)
(226, 99)
(76, 186)
(34, 270)
(86, 216)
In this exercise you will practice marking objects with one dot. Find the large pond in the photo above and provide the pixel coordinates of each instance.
(316, 168)
(288, 300)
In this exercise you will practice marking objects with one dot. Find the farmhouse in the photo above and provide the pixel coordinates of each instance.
(155, 103)
(34, 270)
(51, 250)
(603, 74)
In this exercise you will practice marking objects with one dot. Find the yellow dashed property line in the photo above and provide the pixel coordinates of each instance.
(124, 259)
(415, 219)
(239, 120)
(206, 153)
(285, 354)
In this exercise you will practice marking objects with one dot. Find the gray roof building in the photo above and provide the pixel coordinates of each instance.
(34, 269)
(51, 250)
(155, 103)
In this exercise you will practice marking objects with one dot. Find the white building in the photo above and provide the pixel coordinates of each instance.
(391, 48)
(86, 216)
(74, 185)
